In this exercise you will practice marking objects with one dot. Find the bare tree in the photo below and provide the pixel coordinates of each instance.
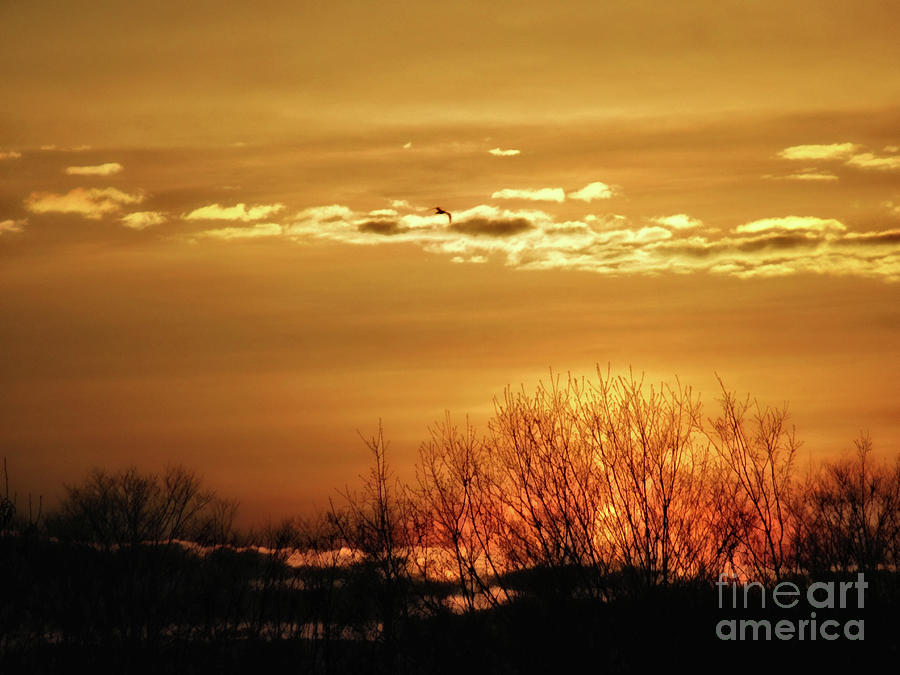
(7, 506)
(548, 485)
(375, 523)
(132, 508)
(757, 449)
(656, 476)
(848, 514)
(606, 476)
(456, 515)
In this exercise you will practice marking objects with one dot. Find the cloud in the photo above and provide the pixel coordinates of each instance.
(91, 203)
(493, 228)
(407, 145)
(107, 169)
(497, 152)
(893, 209)
(255, 231)
(885, 238)
(792, 223)
(680, 221)
(592, 191)
(399, 204)
(474, 222)
(326, 222)
(382, 227)
(10, 154)
(69, 148)
(829, 151)
(539, 195)
(141, 220)
(866, 160)
(609, 221)
(8, 226)
(615, 246)
(807, 175)
(849, 153)
(325, 214)
(236, 212)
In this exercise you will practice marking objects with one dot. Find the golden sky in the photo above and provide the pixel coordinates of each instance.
(218, 245)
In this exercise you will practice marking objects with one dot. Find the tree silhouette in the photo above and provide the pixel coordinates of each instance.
(758, 450)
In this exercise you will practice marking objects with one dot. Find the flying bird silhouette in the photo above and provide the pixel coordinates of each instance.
(438, 211)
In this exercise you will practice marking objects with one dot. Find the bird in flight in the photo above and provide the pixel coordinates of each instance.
(438, 211)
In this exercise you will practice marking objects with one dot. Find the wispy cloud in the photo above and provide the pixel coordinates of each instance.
(498, 152)
(255, 231)
(50, 147)
(849, 153)
(236, 212)
(10, 226)
(680, 221)
(108, 169)
(827, 151)
(592, 191)
(866, 160)
(813, 175)
(141, 220)
(538, 195)
(810, 223)
(325, 214)
(10, 154)
(91, 203)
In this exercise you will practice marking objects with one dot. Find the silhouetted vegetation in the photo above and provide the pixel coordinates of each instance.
(590, 520)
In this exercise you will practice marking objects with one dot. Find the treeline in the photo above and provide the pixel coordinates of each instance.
(585, 510)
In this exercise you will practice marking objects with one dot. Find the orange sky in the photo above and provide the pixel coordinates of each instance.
(218, 249)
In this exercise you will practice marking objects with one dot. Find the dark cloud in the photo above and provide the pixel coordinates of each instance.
(871, 238)
(692, 250)
(492, 228)
(779, 242)
(384, 227)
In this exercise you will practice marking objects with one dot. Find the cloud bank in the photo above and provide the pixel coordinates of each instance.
(612, 245)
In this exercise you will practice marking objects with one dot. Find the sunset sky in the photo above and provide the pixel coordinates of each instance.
(218, 246)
